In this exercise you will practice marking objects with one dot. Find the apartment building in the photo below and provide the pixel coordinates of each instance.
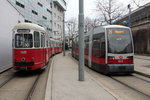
(59, 8)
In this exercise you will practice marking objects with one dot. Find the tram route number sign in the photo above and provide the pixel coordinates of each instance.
(23, 30)
(110, 31)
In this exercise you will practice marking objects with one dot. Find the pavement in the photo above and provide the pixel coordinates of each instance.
(142, 65)
(142, 57)
(63, 82)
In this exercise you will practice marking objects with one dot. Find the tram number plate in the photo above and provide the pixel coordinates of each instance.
(23, 68)
(120, 61)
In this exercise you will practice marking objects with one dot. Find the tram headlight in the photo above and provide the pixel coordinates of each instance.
(23, 59)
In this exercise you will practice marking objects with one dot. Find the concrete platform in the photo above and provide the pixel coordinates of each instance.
(142, 64)
(63, 82)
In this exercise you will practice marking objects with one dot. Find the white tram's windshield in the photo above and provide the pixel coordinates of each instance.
(23, 41)
(119, 41)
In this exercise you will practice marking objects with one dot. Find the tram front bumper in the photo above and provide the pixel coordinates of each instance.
(121, 68)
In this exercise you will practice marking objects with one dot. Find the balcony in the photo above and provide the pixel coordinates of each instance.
(61, 3)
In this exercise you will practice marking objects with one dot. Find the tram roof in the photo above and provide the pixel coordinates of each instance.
(98, 29)
(115, 26)
(29, 26)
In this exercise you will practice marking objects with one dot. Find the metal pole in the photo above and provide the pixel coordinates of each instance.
(64, 40)
(81, 40)
(129, 7)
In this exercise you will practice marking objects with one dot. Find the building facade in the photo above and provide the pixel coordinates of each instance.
(59, 8)
(35, 11)
(40, 12)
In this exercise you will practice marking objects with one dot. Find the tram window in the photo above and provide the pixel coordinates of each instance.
(86, 45)
(28, 41)
(51, 43)
(19, 40)
(13, 43)
(42, 41)
(119, 43)
(36, 39)
(47, 44)
(96, 45)
(102, 45)
(23, 41)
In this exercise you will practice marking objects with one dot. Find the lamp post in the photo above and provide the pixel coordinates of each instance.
(129, 22)
(81, 40)
(64, 39)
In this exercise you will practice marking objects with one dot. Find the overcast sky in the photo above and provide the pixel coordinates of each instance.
(72, 7)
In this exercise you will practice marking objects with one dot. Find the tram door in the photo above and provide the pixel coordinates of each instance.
(47, 52)
(43, 49)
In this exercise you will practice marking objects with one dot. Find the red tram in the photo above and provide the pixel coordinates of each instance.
(108, 49)
(32, 47)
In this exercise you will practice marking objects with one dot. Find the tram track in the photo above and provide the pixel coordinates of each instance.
(36, 84)
(6, 81)
(23, 85)
(31, 91)
(18, 86)
(120, 90)
(138, 84)
(142, 77)
(6, 75)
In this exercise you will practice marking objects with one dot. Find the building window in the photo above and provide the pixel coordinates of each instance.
(19, 4)
(44, 17)
(49, 11)
(40, 25)
(51, 5)
(55, 6)
(54, 14)
(34, 12)
(28, 21)
(40, 4)
(48, 29)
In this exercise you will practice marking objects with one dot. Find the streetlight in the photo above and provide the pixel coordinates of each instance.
(64, 39)
(81, 40)
(129, 20)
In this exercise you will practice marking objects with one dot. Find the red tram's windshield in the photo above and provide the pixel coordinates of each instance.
(119, 41)
(23, 41)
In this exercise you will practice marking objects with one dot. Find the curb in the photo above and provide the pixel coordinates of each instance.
(48, 91)
(5, 69)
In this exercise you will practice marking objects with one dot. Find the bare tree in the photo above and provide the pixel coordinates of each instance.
(72, 27)
(91, 23)
(109, 10)
(139, 3)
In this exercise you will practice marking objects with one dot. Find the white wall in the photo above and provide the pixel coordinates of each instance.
(9, 17)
